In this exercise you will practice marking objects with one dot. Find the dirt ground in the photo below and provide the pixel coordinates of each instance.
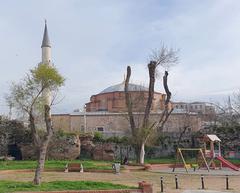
(186, 181)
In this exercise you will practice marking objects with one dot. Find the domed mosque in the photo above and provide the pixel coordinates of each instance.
(112, 99)
(106, 111)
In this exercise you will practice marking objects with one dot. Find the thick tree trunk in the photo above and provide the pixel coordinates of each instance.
(152, 71)
(137, 152)
(40, 164)
(142, 153)
(129, 103)
(42, 148)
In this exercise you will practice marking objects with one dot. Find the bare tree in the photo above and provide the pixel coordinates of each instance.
(163, 58)
(227, 114)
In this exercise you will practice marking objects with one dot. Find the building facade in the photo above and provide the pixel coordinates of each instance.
(195, 107)
(107, 113)
(117, 124)
(112, 99)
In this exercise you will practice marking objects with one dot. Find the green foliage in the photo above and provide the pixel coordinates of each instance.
(98, 137)
(12, 186)
(163, 141)
(27, 93)
(47, 75)
(62, 133)
(118, 140)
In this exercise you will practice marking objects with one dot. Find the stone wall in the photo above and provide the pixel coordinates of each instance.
(16, 141)
(87, 145)
(165, 146)
(104, 151)
(64, 147)
(12, 133)
(116, 124)
(61, 147)
(69, 146)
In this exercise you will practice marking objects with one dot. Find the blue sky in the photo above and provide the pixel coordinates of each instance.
(93, 41)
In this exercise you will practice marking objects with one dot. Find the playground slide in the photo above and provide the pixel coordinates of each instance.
(227, 163)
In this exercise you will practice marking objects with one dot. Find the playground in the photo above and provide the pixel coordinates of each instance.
(201, 168)
(209, 158)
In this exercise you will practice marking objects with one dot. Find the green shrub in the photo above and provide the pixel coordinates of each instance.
(98, 137)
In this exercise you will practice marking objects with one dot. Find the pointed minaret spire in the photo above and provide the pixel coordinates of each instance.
(230, 108)
(46, 59)
(46, 47)
(46, 41)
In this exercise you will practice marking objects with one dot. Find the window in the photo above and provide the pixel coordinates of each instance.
(100, 129)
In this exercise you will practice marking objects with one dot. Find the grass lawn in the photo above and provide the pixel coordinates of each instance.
(160, 161)
(11, 186)
(234, 161)
(54, 164)
(87, 164)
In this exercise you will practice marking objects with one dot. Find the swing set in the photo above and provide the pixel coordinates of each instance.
(211, 152)
(197, 163)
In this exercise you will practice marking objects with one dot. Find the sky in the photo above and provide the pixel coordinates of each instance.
(94, 41)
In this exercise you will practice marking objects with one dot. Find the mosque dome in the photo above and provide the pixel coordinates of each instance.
(112, 99)
(120, 88)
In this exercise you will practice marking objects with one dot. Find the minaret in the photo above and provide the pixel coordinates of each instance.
(230, 108)
(46, 47)
(46, 59)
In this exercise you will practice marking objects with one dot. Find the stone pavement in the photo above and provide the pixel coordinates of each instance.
(203, 191)
(217, 172)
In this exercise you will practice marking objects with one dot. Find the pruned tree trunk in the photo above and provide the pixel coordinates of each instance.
(129, 103)
(142, 153)
(137, 150)
(40, 163)
(152, 71)
(43, 145)
(141, 133)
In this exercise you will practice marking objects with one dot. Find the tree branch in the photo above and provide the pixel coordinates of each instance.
(151, 70)
(129, 102)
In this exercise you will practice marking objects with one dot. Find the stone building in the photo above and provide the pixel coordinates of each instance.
(106, 113)
(112, 99)
(116, 124)
(195, 107)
